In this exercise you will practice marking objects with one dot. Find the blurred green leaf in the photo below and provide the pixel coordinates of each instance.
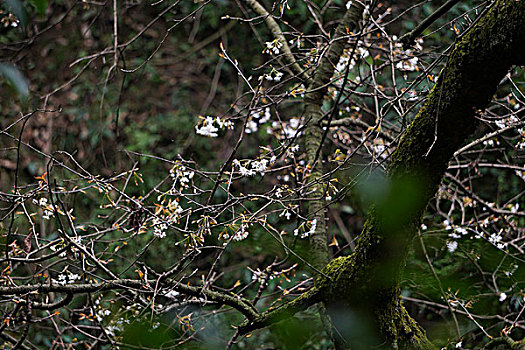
(40, 6)
(14, 77)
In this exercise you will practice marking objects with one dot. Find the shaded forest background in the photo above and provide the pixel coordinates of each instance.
(107, 121)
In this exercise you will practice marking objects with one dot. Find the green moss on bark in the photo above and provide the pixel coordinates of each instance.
(369, 279)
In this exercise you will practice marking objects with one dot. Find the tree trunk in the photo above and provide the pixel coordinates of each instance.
(363, 293)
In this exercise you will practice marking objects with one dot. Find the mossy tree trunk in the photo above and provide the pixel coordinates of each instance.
(313, 115)
(362, 291)
(366, 283)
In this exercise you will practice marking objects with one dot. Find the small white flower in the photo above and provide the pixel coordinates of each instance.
(260, 166)
(251, 127)
(267, 115)
(207, 128)
(313, 226)
(294, 148)
(172, 294)
(461, 230)
(452, 246)
(502, 296)
(459, 345)
(501, 123)
(273, 47)
(241, 234)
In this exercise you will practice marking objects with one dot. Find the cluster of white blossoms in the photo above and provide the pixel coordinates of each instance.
(258, 275)
(306, 233)
(235, 231)
(503, 123)
(210, 126)
(452, 246)
(273, 47)
(64, 279)
(159, 227)
(165, 216)
(379, 148)
(495, 239)
(181, 176)
(9, 20)
(457, 233)
(256, 166)
(407, 60)
(345, 60)
(491, 142)
(101, 313)
(257, 117)
(274, 75)
(286, 130)
(46, 208)
(460, 232)
(242, 233)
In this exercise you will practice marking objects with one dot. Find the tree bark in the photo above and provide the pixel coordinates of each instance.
(313, 114)
(362, 291)
(364, 287)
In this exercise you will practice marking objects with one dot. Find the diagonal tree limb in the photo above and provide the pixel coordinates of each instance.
(408, 38)
(284, 311)
(369, 279)
(278, 34)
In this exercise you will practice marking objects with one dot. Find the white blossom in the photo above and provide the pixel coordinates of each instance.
(260, 166)
(267, 115)
(409, 64)
(172, 294)
(207, 128)
(181, 176)
(210, 126)
(241, 234)
(273, 47)
(495, 239)
(64, 279)
(313, 227)
(452, 246)
(251, 126)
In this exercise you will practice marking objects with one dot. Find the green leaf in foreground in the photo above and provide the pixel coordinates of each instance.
(14, 78)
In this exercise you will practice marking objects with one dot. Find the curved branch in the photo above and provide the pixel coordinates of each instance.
(506, 341)
(276, 31)
(479, 61)
(408, 38)
(282, 312)
(240, 304)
